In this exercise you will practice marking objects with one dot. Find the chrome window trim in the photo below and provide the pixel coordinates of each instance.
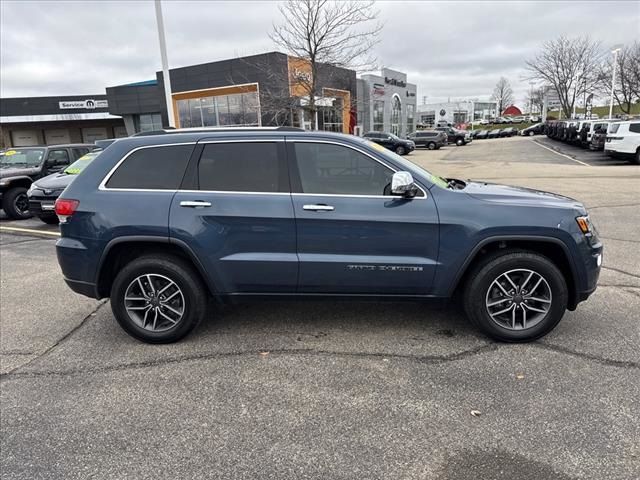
(367, 154)
(109, 174)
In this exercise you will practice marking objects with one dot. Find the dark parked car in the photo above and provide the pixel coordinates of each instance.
(459, 137)
(482, 134)
(536, 129)
(391, 142)
(20, 166)
(431, 139)
(495, 133)
(239, 214)
(508, 132)
(598, 139)
(44, 192)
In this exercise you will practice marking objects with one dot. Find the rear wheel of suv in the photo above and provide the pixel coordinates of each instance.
(636, 158)
(400, 150)
(15, 203)
(431, 146)
(158, 298)
(459, 142)
(516, 296)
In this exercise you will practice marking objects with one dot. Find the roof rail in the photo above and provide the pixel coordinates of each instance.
(216, 129)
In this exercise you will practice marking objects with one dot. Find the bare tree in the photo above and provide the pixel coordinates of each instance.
(502, 94)
(570, 66)
(336, 33)
(626, 90)
(535, 99)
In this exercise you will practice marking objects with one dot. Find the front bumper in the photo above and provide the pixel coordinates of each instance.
(41, 204)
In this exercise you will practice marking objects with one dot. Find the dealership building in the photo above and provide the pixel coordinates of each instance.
(56, 120)
(454, 113)
(261, 90)
(386, 102)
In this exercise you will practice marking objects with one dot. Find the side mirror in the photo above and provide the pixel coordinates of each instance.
(402, 184)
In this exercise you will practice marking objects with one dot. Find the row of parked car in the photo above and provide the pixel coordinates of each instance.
(32, 178)
(432, 139)
(617, 138)
(508, 119)
(495, 133)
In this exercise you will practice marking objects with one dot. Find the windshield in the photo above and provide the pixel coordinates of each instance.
(395, 137)
(22, 157)
(80, 164)
(406, 165)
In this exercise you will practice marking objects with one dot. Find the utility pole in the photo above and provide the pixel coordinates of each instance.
(165, 64)
(615, 51)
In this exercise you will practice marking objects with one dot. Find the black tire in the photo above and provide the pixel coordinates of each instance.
(481, 278)
(400, 150)
(636, 158)
(49, 219)
(460, 142)
(15, 203)
(431, 146)
(531, 134)
(183, 275)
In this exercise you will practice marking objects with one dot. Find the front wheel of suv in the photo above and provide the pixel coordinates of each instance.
(460, 142)
(431, 146)
(158, 298)
(516, 296)
(15, 203)
(400, 150)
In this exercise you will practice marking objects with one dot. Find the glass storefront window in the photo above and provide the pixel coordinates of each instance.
(396, 109)
(239, 109)
(410, 118)
(147, 122)
(378, 116)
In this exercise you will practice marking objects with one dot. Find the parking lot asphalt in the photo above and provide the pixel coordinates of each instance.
(333, 390)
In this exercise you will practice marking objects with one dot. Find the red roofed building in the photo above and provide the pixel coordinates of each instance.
(512, 110)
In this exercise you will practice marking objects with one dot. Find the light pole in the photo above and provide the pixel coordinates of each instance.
(615, 51)
(165, 64)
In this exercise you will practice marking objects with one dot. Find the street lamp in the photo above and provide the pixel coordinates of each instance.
(614, 50)
(165, 64)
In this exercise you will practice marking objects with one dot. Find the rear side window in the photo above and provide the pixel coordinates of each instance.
(634, 127)
(242, 167)
(157, 168)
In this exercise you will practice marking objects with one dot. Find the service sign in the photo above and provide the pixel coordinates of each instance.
(88, 104)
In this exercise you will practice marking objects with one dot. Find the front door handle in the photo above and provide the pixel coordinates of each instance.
(318, 208)
(195, 203)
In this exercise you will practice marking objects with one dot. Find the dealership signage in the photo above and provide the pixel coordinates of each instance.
(88, 104)
(396, 82)
(378, 89)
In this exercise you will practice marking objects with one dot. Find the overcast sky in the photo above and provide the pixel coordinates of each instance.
(456, 50)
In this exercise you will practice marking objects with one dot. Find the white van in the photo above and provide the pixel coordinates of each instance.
(623, 139)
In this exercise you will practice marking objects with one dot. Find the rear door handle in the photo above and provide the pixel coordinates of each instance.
(195, 203)
(318, 208)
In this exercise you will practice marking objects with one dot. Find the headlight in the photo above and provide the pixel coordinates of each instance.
(31, 189)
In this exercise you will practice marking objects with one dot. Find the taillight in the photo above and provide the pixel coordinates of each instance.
(65, 208)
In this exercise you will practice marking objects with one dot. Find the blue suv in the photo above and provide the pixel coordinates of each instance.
(161, 223)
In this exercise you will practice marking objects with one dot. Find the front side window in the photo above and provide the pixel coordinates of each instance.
(58, 157)
(153, 168)
(242, 167)
(339, 170)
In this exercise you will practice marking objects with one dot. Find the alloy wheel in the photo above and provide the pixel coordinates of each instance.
(518, 299)
(21, 203)
(154, 302)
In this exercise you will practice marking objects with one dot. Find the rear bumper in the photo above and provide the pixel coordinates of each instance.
(83, 288)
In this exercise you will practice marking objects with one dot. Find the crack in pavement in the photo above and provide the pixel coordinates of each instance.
(60, 340)
(426, 359)
(17, 242)
(621, 271)
(615, 205)
(620, 239)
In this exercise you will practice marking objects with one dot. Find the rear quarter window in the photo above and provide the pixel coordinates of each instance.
(634, 127)
(152, 168)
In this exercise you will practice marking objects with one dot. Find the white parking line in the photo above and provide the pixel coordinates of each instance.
(561, 154)
(28, 230)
